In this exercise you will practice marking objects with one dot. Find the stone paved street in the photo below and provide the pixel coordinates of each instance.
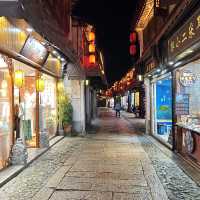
(117, 163)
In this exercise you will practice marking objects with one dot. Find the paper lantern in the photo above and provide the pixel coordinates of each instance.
(91, 36)
(92, 59)
(40, 85)
(132, 50)
(60, 86)
(91, 48)
(18, 78)
(133, 37)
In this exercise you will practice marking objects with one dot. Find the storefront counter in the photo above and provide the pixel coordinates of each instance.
(187, 141)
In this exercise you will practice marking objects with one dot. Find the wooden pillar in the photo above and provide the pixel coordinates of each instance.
(37, 113)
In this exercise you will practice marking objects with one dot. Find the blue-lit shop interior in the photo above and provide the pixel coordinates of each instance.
(162, 108)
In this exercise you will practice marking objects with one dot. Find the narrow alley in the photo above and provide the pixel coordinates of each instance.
(116, 163)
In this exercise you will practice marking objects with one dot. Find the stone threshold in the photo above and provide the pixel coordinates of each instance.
(10, 172)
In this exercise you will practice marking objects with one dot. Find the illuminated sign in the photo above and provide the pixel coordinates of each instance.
(152, 64)
(187, 78)
(34, 51)
(186, 36)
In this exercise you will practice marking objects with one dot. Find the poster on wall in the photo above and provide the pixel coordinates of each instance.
(182, 104)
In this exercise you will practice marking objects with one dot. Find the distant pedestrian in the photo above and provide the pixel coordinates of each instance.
(117, 109)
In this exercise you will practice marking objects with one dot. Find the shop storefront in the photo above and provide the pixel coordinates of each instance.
(184, 59)
(28, 89)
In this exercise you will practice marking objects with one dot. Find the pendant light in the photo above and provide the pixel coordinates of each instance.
(19, 78)
(40, 85)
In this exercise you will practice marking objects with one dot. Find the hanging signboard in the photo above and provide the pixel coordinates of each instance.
(34, 50)
(185, 37)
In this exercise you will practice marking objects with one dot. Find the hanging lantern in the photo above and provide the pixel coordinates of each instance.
(132, 50)
(40, 85)
(60, 86)
(91, 48)
(133, 37)
(91, 36)
(92, 59)
(18, 78)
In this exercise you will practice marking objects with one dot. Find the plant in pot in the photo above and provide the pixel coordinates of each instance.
(65, 113)
(67, 117)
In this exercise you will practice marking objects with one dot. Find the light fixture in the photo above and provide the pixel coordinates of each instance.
(62, 59)
(91, 36)
(29, 30)
(171, 62)
(40, 85)
(149, 75)
(60, 86)
(102, 71)
(92, 59)
(54, 52)
(140, 78)
(158, 70)
(86, 82)
(91, 48)
(19, 78)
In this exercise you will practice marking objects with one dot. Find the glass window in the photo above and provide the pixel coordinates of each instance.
(187, 95)
(25, 103)
(48, 105)
(162, 108)
(5, 114)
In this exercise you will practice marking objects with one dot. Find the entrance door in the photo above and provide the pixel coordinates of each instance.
(162, 108)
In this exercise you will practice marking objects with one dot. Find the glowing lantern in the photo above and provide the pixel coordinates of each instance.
(133, 37)
(60, 86)
(40, 85)
(91, 36)
(92, 59)
(132, 50)
(18, 78)
(91, 48)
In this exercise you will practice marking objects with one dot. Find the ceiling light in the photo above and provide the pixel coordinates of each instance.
(171, 63)
(62, 59)
(54, 52)
(29, 30)
(158, 70)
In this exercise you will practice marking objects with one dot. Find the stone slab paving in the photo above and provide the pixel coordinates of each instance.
(104, 166)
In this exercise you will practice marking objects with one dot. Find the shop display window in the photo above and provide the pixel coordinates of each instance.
(48, 105)
(5, 114)
(25, 105)
(162, 107)
(187, 96)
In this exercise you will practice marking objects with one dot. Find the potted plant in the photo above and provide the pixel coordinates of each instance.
(67, 117)
(65, 113)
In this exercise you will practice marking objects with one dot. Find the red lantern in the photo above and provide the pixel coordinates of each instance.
(133, 37)
(91, 48)
(91, 36)
(92, 59)
(132, 50)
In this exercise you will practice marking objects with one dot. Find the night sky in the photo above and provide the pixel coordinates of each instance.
(112, 20)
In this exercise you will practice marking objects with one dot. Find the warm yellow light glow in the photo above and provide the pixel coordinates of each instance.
(60, 86)
(92, 59)
(146, 16)
(91, 36)
(86, 82)
(19, 78)
(91, 48)
(40, 85)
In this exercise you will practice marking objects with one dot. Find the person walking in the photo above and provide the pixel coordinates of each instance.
(117, 109)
